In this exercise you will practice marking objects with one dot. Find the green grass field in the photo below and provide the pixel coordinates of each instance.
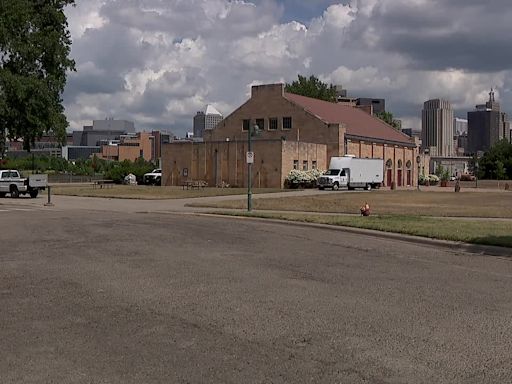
(482, 231)
(465, 204)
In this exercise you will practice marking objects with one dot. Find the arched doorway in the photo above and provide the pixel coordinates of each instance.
(399, 173)
(389, 172)
(408, 165)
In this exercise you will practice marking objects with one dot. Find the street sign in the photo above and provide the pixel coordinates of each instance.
(250, 157)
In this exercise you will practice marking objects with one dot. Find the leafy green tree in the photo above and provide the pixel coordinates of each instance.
(34, 47)
(388, 118)
(497, 162)
(499, 170)
(312, 87)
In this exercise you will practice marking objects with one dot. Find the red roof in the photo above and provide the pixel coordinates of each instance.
(357, 122)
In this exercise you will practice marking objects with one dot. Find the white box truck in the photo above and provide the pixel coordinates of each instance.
(352, 172)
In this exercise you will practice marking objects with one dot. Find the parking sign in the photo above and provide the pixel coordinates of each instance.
(250, 157)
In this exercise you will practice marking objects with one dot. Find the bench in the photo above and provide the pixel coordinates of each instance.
(194, 184)
(103, 184)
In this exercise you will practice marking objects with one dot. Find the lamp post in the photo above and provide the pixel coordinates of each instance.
(250, 160)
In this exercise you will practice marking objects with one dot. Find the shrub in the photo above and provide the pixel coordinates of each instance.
(467, 177)
(303, 179)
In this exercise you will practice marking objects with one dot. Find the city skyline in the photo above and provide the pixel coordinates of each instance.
(157, 63)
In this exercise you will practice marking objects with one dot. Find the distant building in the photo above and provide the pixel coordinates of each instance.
(343, 98)
(462, 144)
(101, 130)
(130, 147)
(412, 132)
(73, 152)
(460, 126)
(378, 105)
(460, 136)
(206, 120)
(368, 104)
(47, 145)
(486, 126)
(437, 127)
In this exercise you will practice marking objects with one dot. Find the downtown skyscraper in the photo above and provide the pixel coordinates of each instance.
(437, 128)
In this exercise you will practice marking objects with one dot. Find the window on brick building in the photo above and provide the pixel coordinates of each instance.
(295, 164)
(287, 123)
(304, 165)
(246, 124)
(313, 164)
(272, 124)
(260, 123)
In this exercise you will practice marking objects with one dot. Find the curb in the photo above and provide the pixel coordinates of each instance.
(487, 250)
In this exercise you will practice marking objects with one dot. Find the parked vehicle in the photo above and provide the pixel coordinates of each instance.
(11, 182)
(352, 172)
(153, 178)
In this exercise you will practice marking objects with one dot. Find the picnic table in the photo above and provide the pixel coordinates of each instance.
(103, 184)
(194, 184)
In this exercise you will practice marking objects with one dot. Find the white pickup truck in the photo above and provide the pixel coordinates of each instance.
(11, 182)
(153, 178)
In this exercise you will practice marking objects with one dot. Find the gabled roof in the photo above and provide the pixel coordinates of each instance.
(357, 122)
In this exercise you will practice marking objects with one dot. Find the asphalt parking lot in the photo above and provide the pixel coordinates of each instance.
(91, 295)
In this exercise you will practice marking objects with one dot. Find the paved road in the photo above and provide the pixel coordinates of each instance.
(105, 296)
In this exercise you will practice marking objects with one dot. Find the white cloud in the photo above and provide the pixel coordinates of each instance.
(158, 62)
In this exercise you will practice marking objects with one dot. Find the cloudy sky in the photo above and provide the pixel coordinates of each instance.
(157, 62)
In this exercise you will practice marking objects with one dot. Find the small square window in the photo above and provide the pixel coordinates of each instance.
(304, 165)
(246, 124)
(295, 164)
(313, 164)
(287, 123)
(272, 124)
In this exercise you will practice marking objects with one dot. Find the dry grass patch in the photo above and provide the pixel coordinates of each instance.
(418, 203)
(150, 192)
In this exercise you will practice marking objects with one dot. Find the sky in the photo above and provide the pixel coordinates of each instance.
(158, 62)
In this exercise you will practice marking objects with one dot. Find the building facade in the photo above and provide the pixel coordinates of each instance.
(437, 127)
(486, 126)
(206, 120)
(101, 130)
(295, 132)
(378, 105)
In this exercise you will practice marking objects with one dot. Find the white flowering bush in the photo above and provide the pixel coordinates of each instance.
(428, 180)
(304, 179)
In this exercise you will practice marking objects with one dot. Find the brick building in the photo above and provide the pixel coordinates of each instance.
(131, 147)
(295, 132)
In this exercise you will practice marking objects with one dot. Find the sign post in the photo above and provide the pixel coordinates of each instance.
(250, 162)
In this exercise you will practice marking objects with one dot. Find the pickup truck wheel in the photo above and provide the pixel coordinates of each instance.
(33, 193)
(335, 186)
(14, 192)
(321, 188)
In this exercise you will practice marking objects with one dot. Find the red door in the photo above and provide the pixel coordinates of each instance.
(388, 177)
(399, 181)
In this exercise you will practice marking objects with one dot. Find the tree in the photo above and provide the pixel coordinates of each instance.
(34, 47)
(388, 118)
(312, 87)
(497, 162)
